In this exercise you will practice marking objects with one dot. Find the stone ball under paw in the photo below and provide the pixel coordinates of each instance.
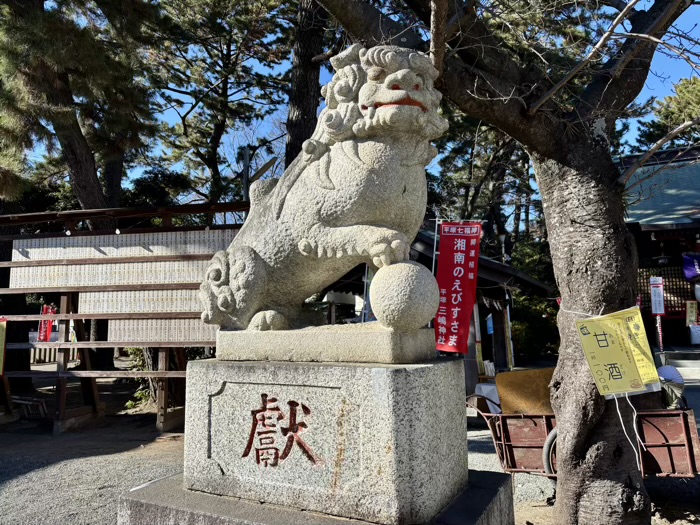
(404, 296)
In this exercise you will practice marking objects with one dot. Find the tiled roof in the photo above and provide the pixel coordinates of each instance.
(670, 197)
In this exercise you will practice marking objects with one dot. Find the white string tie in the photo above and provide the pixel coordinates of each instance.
(634, 419)
(636, 458)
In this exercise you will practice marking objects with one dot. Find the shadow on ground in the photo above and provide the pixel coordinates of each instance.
(27, 445)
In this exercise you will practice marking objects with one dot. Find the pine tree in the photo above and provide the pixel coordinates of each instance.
(671, 113)
(305, 91)
(71, 84)
(216, 74)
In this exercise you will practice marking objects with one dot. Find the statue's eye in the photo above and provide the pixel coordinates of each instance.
(376, 74)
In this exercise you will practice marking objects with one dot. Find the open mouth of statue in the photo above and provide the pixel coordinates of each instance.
(407, 101)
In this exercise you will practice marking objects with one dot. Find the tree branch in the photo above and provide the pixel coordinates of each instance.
(438, 19)
(478, 93)
(596, 49)
(623, 76)
(366, 24)
(625, 177)
(475, 43)
(615, 4)
(685, 54)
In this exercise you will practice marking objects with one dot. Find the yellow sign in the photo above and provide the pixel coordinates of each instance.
(606, 345)
(691, 313)
(643, 356)
(3, 334)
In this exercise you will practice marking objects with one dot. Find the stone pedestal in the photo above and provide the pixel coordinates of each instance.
(381, 443)
(352, 343)
(487, 501)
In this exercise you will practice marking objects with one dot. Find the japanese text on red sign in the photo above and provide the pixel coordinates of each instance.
(457, 274)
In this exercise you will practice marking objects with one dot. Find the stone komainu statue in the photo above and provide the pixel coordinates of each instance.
(356, 194)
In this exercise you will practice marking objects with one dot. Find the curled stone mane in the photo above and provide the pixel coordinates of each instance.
(392, 55)
(342, 111)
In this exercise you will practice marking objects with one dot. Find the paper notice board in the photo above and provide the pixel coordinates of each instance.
(618, 353)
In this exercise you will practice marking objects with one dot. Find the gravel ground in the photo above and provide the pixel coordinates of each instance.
(75, 478)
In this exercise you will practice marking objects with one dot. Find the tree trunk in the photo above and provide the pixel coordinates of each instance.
(305, 91)
(150, 357)
(113, 173)
(100, 358)
(595, 264)
(528, 203)
(76, 150)
(517, 212)
(81, 161)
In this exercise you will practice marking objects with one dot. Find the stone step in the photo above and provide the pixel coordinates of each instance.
(690, 374)
(684, 363)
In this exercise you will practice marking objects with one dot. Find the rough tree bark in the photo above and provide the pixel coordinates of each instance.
(595, 264)
(113, 172)
(305, 90)
(594, 256)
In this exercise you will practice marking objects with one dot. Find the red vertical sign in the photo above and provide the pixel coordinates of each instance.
(457, 269)
(46, 326)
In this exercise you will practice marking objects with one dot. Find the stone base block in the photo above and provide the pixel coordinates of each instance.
(381, 443)
(354, 343)
(488, 500)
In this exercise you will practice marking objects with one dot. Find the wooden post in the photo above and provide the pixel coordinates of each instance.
(179, 384)
(62, 355)
(7, 396)
(162, 392)
(88, 386)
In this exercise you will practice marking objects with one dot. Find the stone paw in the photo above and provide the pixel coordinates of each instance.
(268, 320)
(389, 252)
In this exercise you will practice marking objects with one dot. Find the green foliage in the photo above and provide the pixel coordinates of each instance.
(71, 72)
(534, 328)
(535, 332)
(681, 107)
(533, 258)
(485, 175)
(157, 186)
(142, 395)
(215, 71)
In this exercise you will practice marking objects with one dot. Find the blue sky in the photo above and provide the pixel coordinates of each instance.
(667, 71)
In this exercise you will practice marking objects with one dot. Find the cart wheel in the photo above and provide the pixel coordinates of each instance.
(549, 453)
